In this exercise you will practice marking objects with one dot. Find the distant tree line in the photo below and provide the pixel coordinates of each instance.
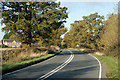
(85, 33)
(94, 32)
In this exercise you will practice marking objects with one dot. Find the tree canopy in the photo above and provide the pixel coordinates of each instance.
(7, 36)
(28, 21)
(85, 33)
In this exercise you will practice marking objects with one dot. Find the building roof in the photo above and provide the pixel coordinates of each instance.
(10, 40)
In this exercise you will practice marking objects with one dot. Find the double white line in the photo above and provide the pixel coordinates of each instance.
(58, 68)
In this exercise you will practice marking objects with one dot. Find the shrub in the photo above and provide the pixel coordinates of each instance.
(108, 43)
(4, 46)
(15, 55)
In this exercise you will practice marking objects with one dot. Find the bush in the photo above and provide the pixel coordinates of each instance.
(16, 55)
(108, 43)
(8, 55)
(111, 51)
(4, 46)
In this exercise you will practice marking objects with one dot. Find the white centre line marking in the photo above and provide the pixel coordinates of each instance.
(58, 68)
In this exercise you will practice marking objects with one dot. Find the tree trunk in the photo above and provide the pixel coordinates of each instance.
(48, 44)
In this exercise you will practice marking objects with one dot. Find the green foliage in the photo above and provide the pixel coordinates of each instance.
(3, 46)
(85, 33)
(94, 33)
(7, 36)
(28, 21)
(56, 40)
(108, 42)
(63, 44)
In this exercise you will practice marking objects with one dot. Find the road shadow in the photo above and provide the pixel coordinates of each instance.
(73, 52)
(74, 73)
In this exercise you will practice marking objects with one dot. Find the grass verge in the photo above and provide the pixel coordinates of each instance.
(111, 64)
(6, 68)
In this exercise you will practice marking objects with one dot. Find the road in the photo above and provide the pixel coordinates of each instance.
(69, 64)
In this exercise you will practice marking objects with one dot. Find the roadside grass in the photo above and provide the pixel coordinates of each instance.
(111, 64)
(18, 65)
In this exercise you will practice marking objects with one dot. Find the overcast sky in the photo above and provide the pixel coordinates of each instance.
(78, 9)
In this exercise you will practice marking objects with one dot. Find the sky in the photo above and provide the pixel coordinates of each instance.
(76, 10)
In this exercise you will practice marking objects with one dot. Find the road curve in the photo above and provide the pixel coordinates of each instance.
(69, 64)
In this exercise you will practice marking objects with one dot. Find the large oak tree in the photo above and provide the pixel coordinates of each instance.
(28, 21)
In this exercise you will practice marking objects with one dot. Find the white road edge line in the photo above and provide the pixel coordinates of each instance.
(58, 68)
(100, 71)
